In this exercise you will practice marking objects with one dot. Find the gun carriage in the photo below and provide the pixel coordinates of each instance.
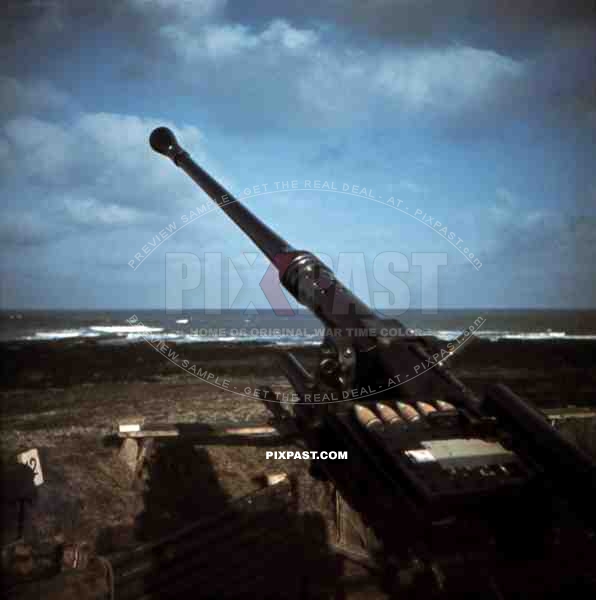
(439, 476)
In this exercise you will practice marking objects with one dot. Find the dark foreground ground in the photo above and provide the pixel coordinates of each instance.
(66, 399)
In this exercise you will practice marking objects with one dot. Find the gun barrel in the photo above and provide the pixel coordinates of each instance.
(164, 141)
(307, 278)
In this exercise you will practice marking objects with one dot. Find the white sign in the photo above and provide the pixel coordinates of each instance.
(129, 427)
(420, 456)
(31, 459)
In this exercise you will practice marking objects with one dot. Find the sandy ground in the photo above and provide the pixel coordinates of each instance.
(66, 400)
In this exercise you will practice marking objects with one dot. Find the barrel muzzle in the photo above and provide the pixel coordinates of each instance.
(164, 141)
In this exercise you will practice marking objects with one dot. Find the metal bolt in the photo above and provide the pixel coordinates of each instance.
(328, 365)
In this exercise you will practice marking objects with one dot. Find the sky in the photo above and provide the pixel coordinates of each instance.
(478, 115)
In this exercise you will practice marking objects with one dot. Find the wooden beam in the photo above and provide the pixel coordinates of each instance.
(220, 433)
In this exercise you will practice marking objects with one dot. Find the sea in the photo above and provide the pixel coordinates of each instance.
(265, 327)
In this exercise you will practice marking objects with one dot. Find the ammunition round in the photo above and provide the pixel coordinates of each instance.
(365, 416)
(442, 405)
(425, 409)
(408, 412)
(388, 415)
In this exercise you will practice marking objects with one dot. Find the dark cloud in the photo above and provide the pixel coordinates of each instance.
(31, 97)
(36, 34)
(510, 26)
(532, 60)
(554, 39)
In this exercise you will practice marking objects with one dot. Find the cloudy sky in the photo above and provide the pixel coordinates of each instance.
(478, 114)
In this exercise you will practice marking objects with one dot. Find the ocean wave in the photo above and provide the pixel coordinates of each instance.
(60, 335)
(139, 333)
(125, 329)
(153, 337)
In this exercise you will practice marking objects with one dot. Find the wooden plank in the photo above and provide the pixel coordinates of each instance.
(558, 414)
(221, 433)
(169, 430)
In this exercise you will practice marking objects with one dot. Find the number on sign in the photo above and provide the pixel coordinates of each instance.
(31, 459)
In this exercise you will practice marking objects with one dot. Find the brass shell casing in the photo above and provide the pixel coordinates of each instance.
(442, 405)
(388, 415)
(409, 413)
(425, 409)
(365, 416)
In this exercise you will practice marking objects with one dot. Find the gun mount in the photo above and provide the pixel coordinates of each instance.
(434, 470)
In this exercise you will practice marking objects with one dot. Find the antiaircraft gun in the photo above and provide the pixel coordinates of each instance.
(450, 487)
